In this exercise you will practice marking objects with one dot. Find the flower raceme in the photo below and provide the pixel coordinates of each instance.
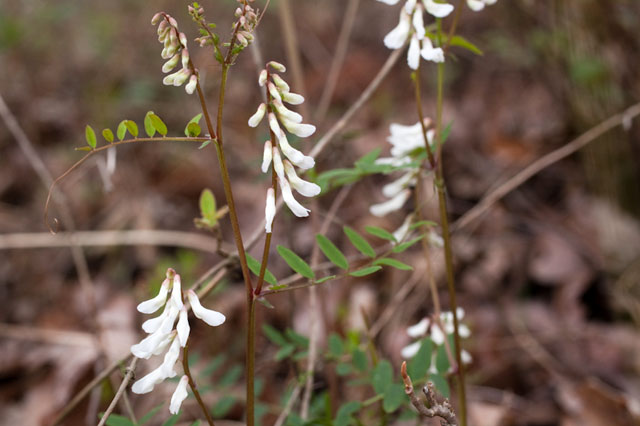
(429, 328)
(411, 27)
(175, 50)
(162, 335)
(279, 117)
(406, 142)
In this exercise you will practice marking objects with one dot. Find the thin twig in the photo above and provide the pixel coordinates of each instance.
(314, 307)
(88, 387)
(123, 386)
(289, 406)
(540, 164)
(437, 409)
(338, 60)
(136, 237)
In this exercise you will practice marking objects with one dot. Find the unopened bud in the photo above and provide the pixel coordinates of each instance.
(277, 66)
(185, 58)
(262, 79)
(183, 39)
(156, 18)
(191, 85)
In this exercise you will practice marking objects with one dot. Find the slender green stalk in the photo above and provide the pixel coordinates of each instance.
(192, 384)
(446, 235)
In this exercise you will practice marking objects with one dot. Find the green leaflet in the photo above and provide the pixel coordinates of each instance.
(359, 242)
(332, 252)
(295, 262)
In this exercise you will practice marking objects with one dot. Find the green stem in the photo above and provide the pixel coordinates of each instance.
(446, 235)
(192, 384)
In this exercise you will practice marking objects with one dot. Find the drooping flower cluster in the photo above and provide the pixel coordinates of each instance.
(163, 335)
(278, 92)
(175, 50)
(429, 328)
(411, 25)
(407, 142)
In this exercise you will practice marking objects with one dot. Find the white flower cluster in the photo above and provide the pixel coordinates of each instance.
(404, 140)
(162, 335)
(278, 114)
(428, 328)
(175, 50)
(411, 25)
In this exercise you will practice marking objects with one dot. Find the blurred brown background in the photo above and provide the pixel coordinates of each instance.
(549, 277)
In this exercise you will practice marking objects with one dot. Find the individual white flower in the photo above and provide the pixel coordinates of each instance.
(477, 5)
(401, 233)
(413, 54)
(439, 10)
(257, 117)
(179, 395)
(293, 204)
(430, 53)
(296, 157)
(308, 189)
(176, 293)
(277, 66)
(267, 156)
(170, 359)
(152, 305)
(396, 38)
(395, 203)
(211, 317)
(419, 329)
(269, 210)
(149, 345)
(183, 327)
(148, 382)
(411, 350)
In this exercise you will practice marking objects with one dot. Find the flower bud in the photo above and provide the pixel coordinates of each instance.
(277, 66)
(192, 84)
(267, 156)
(280, 83)
(257, 117)
(262, 79)
(269, 210)
(156, 18)
(171, 63)
(179, 395)
(292, 98)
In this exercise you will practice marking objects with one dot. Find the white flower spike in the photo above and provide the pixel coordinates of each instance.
(411, 28)
(281, 118)
(163, 335)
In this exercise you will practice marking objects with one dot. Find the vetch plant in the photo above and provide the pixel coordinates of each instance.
(416, 152)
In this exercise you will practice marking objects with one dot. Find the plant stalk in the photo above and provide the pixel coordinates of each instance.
(192, 384)
(446, 235)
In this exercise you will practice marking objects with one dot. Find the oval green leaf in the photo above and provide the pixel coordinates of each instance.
(148, 125)
(404, 246)
(380, 233)
(107, 134)
(254, 265)
(393, 263)
(208, 206)
(132, 127)
(295, 262)
(90, 136)
(359, 242)
(365, 271)
(158, 124)
(332, 252)
(121, 132)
